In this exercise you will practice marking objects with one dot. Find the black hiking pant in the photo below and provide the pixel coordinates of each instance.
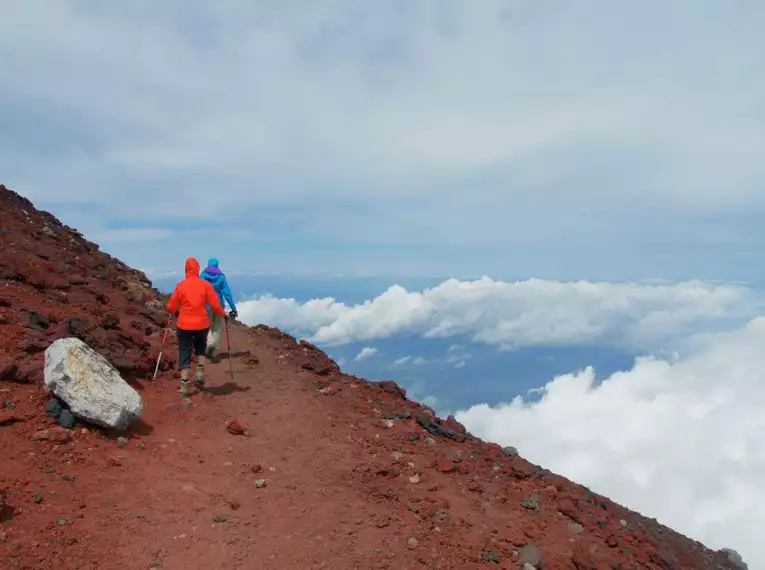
(188, 340)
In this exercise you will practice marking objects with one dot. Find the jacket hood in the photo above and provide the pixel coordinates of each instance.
(212, 268)
(192, 267)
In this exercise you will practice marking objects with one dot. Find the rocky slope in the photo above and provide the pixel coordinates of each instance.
(287, 464)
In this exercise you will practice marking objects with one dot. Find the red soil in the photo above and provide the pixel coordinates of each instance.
(290, 465)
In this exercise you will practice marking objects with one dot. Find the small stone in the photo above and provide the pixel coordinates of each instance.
(50, 469)
(430, 441)
(62, 522)
(53, 409)
(510, 450)
(575, 528)
(68, 478)
(37, 498)
(10, 405)
(415, 478)
(445, 466)
(257, 468)
(528, 566)
(220, 518)
(67, 419)
(491, 556)
(529, 555)
(235, 428)
(531, 503)
(260, 483)
(453, 454)
(411, 544)
(122, 442)
(54, 435)
(155, 564)
(387, 423)
(568, 508)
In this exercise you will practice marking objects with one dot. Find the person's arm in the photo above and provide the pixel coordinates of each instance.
(212, 300)
(175, 302)
(227, 294)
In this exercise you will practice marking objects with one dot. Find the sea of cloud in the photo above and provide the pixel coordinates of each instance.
(679, 437)
(640, 316)
(682, 439)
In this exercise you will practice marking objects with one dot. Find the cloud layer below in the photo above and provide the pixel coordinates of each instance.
(682, 440)
(526, 313)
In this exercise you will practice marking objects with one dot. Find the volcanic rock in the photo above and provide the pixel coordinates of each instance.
(91, 387)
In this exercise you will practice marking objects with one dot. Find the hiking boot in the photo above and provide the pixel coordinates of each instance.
(184, 389)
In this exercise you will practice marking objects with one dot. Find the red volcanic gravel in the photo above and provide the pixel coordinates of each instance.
(325, 470)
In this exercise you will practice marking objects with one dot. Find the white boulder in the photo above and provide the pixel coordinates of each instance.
(94, 390)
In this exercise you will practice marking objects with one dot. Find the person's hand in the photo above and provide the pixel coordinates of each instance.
(233, 314)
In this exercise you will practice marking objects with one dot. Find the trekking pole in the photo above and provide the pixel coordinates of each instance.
(162, 347)
(230, 365)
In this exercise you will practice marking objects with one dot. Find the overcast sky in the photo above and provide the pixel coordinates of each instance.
(512, 138)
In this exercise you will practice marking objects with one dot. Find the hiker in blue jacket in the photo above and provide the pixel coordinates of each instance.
(217, 279)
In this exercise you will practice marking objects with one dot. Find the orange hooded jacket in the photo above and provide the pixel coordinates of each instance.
(191, 297)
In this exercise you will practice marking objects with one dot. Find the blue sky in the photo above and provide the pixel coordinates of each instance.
(395, 145)
(593, 140)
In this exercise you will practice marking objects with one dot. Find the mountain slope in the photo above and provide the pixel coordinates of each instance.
(330, 472)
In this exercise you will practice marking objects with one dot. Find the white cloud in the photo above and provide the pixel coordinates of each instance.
(681, 440)
(533, 312)
(430, 401)
(455, 109)
(457, 355)
(418, 361)
(366, 352)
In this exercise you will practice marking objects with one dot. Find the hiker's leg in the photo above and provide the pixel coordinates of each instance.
(200, 347)
(217, 332)
(184, 358)
(214, 335)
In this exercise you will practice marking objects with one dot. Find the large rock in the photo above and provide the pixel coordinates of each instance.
(92, 388)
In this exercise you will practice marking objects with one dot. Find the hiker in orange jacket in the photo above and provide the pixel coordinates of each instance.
(190, 300)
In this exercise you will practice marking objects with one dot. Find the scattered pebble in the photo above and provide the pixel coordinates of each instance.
(260, 483)
(62, 522)
(530, 555)
(37, 498)
(411, 544)
(122, 442)
(531, 502)
(491, 556)
(220, 518)
(415, 478)
(68, 478)
(235, 428)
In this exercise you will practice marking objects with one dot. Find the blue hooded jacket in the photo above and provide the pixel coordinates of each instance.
(218, 281)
